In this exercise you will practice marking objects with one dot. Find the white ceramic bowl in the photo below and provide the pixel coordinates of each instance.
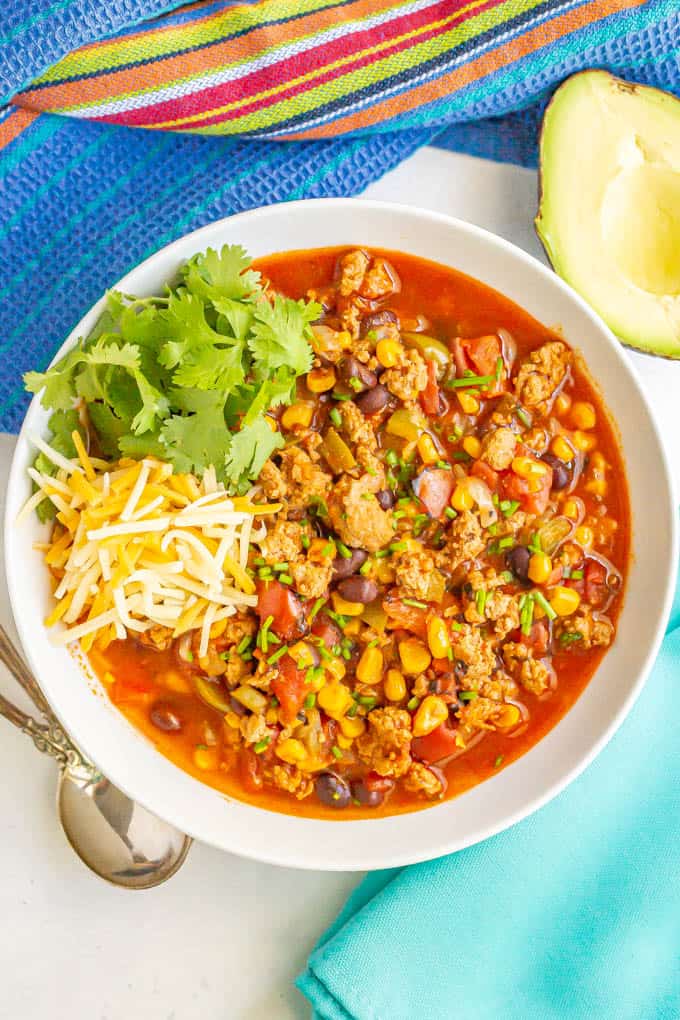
(131, 761)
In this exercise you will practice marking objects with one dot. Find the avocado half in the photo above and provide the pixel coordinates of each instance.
(609, 211)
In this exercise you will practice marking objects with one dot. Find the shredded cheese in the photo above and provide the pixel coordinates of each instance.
(138, 547)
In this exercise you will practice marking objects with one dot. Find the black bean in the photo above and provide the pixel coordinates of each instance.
(332, 791)
(386, 498)
(350, 368)
(561, 471)
(373, 400)
(518, 561)
(369, 798)
(164, 717)
(346, 566)
(358, 589)
(377, 319)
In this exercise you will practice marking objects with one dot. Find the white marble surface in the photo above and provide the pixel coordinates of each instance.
(225, 938)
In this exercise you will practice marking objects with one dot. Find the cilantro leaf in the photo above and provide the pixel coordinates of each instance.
(248, 450)
(201, 438)
(62, 424)
(224, 275)
(280, 334)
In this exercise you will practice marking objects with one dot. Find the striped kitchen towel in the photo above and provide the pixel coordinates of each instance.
(223, 89)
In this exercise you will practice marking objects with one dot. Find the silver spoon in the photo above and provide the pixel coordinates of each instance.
(117, 838)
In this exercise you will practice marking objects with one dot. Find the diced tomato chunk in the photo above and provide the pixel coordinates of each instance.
(484, 471)
(429, 397)
(595, 583)
(514, 487)
(484, 352)
(325, 629)
(409, 618)
(290, 688)
(433, 487)
(275, 599)
(441, 743)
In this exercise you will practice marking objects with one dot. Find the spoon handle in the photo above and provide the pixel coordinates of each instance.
(23, 676)
(49, 739)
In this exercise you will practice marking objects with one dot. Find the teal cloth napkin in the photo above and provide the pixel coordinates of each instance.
(574, 914)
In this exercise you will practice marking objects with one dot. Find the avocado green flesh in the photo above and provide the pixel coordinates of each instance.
(609, 215)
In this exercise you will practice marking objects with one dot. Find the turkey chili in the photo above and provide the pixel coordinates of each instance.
(444, 573)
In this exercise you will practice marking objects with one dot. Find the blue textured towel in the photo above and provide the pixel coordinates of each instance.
(574, 914)
(83, 202)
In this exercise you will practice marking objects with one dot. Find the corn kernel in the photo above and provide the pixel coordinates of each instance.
(291, 751)
(320, 380)
(432, 712)
(384, 571)
(206, 758)
(507, 716)
(394, 686)
(336, 667)
(583, 442)
(298, 415)
(565, 601)
(429, 453)
(583, 415)
(571, 510)
(389, 353)
(109, 678)
(352, 728)
(438, 637)
(562, 403)
(271, 716)
(468, 403)
(344, 742)
(415, 658)
(461, 498)
(302, 654)
(232, 720)
(584, 536)
(527, 467)
(370, 666)
(334, 699)
(352, 628)
(598, 463)
(472, 446)
(561, 448)
(598, 487)
(344, 607)
(540, 568)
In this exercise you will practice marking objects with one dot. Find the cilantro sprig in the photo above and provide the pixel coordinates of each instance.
(187, 376)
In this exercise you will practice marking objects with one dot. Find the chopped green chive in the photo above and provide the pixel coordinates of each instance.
(336, 752)
(526, 616)
(392, 458)
(468, 695)
(260, 746)
(315, 608)
(243, 644)
(335, 417)
(367, 495)
(541, 600)
(461, 455)
(328, 549)
(285, 579)
(450, 513)
(397, 547)
(499, 369)
(352, 711)
(508, 507)
(412, 704)
(569, 637)
(577, 574)
(310, 701)
(523, 416)
(368, 701)
(415, 602)
(305, 541)
(355, 384)
(278, 654)
(469, 380)
(281, 566)
(443, 464)
(480, 601)
(365, 568)
(498, 762)
(344, 551)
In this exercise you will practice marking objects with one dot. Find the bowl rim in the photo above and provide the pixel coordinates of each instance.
(315, 858)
